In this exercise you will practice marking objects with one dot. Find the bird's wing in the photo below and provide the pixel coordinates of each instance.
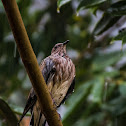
(69, 92)
(47, 68)
(29, 104)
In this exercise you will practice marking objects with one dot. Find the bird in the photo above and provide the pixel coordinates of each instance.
(58, 71)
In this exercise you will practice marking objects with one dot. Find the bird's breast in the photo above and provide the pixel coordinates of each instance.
(64, 75)
(64, 69)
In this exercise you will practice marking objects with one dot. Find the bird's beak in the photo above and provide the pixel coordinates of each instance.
(64, 43)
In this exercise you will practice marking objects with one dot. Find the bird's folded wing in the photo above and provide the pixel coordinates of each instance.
(29, 104)
(47, 68)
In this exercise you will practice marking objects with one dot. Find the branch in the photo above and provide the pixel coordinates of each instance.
(30, 62)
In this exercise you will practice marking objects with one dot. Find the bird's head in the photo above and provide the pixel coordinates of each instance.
(60, 48)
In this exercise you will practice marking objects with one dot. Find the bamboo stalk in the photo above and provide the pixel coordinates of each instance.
(30, 62)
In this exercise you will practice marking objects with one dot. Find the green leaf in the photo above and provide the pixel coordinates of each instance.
(1, 5)
(105, 23)
(60, 3)
(94, 119)
(104, 60)
(94, 10)
(116, 106)
(109, 91)
(117, 9)
(80, 93)
(122, 89)
(112, 73)
(110, 17)
(18, 110)
(97, 90)
(89, 3)
(7, 113)
(76, 102)
(120, 35)
(124, 40)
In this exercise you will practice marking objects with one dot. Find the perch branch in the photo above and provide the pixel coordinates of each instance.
(30, 62)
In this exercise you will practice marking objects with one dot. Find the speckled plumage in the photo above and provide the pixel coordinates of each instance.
(59, 72)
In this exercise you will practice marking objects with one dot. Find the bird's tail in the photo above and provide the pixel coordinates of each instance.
(37, 118)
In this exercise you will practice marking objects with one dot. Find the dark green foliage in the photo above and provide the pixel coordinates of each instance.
(7, 113)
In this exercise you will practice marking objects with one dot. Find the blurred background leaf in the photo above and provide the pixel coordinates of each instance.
(7, 114)
(88, 4)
